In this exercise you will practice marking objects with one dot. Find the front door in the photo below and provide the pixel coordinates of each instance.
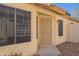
(45, 31)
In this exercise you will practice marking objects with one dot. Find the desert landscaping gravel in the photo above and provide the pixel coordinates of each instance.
(69, 49)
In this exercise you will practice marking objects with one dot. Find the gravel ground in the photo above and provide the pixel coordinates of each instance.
(69, 49)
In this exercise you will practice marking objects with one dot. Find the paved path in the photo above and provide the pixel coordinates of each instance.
(48, 51)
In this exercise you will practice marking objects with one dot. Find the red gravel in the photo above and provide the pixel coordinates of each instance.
(69, 49)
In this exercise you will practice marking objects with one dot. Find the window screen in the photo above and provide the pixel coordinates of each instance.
(10, 16)
(6, 25)
(23, 26)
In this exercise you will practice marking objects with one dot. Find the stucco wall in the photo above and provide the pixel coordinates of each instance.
(30, 48)
(73, 32)
(67, 30)
(70, 31)
(27, 48)
(60, 39)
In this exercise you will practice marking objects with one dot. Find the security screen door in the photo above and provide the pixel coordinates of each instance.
(45, 32)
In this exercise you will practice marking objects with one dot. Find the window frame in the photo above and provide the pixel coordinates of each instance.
(15, 24)
(60, 27)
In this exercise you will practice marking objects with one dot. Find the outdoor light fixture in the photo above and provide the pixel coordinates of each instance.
(58, 21)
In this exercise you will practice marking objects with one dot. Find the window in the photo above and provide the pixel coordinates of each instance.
(23, 26)
(8, 18)
(60, 28)
(6, 25)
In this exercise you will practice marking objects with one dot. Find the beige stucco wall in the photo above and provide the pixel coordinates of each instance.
(70, 31)
(73, 32)
(67, 30)
(60, 39)
(30, 48)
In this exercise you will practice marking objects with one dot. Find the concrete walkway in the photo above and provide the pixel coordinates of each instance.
(48, 51)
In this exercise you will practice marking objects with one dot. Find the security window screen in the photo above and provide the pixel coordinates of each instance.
(23, 26)
(15, 25)
(6, 25)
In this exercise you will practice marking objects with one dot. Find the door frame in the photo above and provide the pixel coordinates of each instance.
(37, 28)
